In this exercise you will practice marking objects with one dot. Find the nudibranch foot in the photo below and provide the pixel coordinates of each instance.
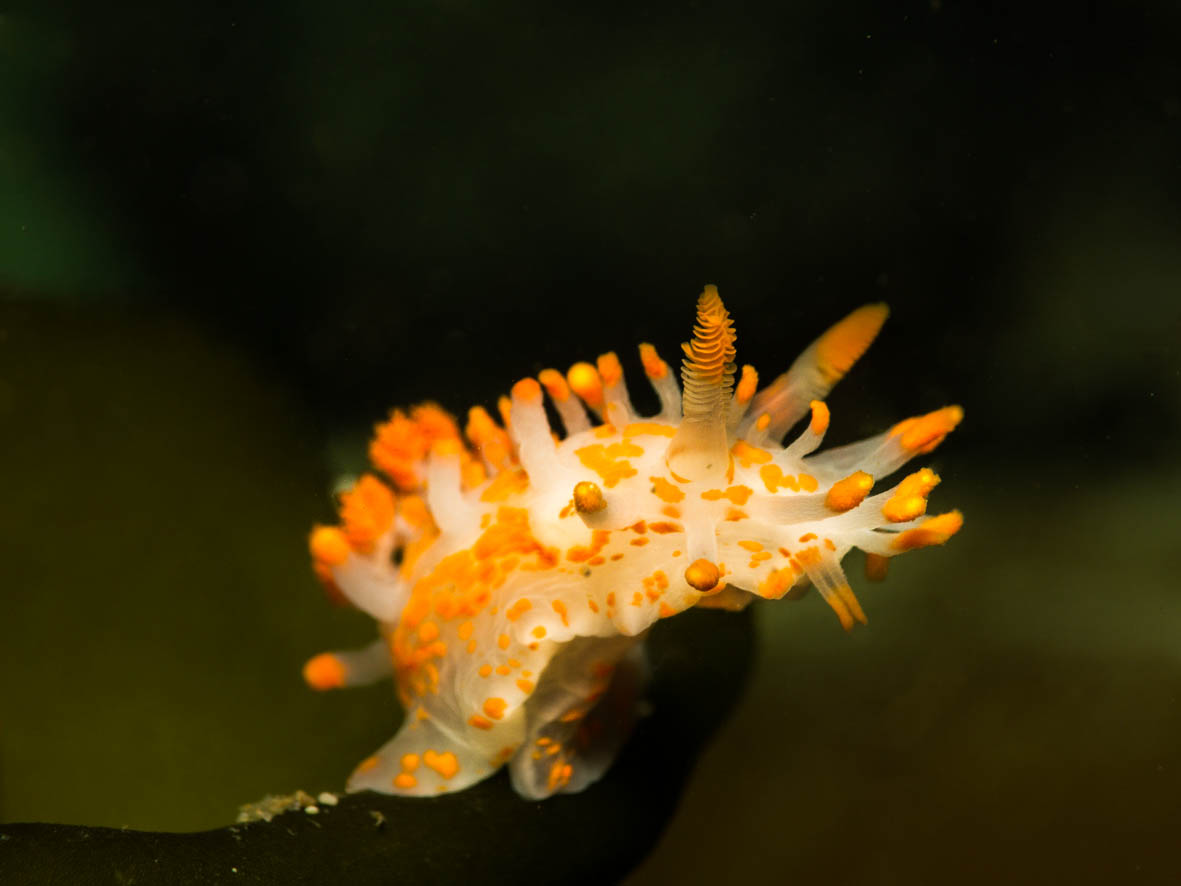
(422, 761)
(580, 716)
(514, 572)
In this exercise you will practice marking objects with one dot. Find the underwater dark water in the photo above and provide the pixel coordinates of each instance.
(235, 238)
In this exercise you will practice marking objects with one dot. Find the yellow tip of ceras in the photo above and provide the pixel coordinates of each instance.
(555, 384)
(920, 435)
(528, 390)
(849, 493)
(323, 672)
(843, 344)
(329, 545)
(610, 370)
(584, 380)
(910, 501)
(748, 385)
(654, 367)
(934, 531)
(820, 417)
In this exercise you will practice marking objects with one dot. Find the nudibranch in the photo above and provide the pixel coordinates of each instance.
(514, 572)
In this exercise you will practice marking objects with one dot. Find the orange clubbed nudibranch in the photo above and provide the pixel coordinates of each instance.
(513, 572)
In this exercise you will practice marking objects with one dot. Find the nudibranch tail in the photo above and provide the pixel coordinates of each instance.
(514, 571)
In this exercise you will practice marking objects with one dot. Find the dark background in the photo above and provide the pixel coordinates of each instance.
(231, 238)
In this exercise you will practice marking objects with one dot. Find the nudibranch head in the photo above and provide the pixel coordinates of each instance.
(514, 572)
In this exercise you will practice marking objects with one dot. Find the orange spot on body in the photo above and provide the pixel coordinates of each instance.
(663, 527)
(479, 722)
(518, 609)
(748, 455)
(580, 553)
(405, 780)
(777, 584)
(774, 479)
(560, 608)
(505, 485)
(494, 707)
(648, 429)
(666, 491)
(736, 494)
(446, 763)
(809, 556)
(610, 461)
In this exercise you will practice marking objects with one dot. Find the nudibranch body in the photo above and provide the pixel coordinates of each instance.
(514, 575)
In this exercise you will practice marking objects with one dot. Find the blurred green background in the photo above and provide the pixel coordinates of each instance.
(230, 239)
